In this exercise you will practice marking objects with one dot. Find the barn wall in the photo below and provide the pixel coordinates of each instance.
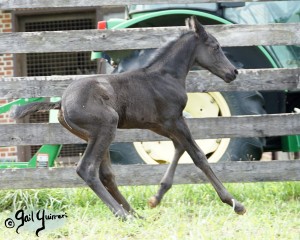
(6, 69)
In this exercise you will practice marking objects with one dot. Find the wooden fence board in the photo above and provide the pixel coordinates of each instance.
(201, 128)
(17, 4)
(140, 38)
(152, 174)
(197, 81)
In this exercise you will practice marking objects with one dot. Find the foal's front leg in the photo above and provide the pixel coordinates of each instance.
(181, 132)
(167, 180)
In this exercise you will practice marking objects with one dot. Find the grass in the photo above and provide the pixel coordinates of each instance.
(187, 212)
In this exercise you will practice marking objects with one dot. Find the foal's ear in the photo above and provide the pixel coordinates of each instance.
(188, 24)
(197, 27)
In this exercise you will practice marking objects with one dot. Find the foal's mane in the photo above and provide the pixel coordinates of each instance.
(161, 51)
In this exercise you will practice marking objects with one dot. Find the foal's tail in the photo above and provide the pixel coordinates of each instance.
(21, 111)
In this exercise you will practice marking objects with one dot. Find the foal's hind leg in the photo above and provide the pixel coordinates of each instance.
(108, 179)
(167, 180)
(99, 130)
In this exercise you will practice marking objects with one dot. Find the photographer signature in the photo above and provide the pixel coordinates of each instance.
(38, 219)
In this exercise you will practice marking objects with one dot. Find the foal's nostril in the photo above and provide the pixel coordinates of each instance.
(236, 71)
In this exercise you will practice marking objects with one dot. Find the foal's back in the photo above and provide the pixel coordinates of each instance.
(130, 94)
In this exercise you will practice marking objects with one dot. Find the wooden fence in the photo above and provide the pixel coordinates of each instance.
(90, 40)
(87, 40)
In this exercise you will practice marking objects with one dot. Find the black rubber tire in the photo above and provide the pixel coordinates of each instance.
(244, 103)
(239, 149)
(124, 153)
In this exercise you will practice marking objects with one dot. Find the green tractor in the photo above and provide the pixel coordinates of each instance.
(211, 104)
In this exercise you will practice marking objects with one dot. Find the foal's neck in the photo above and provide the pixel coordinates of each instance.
(178, 58)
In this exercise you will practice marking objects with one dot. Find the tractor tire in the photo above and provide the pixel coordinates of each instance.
(244, 103)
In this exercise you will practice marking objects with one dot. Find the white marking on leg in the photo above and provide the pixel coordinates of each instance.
(233, 203)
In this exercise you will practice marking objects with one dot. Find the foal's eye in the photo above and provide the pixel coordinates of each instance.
(217, 47)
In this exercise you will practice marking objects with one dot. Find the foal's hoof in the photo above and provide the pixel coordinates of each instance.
(153, 202)
(238, 207)
(123, 215)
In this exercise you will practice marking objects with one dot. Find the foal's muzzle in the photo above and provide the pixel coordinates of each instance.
(229, 77)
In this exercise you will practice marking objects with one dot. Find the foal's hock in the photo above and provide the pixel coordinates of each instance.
(152, 97)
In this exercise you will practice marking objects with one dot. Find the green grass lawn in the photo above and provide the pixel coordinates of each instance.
(187, 212)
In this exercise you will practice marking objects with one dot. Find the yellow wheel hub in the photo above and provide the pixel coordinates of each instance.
(199, 105)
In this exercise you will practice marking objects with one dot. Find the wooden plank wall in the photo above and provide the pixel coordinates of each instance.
(88, 40)
(197, 81)
(201, 128)
(105, 40)
(127, 175)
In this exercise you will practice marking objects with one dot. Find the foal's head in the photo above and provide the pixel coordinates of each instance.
(209, 54)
